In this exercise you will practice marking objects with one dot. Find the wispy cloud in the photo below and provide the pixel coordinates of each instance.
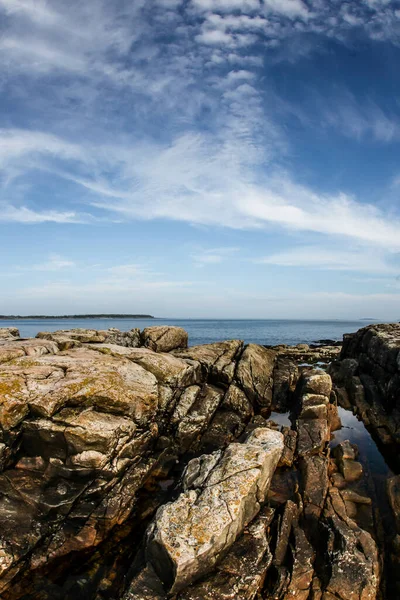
(213, 256)
(55, 263)
(200, 178)
(359, 120)
(23, 214)
(163, 110)
(332, 259)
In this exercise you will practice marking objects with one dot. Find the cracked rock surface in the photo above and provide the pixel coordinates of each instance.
(134, 467)
(188, 535)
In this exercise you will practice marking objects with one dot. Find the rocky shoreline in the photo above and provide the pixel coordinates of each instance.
(136, 467)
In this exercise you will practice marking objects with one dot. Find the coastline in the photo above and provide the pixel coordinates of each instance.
(88, 316)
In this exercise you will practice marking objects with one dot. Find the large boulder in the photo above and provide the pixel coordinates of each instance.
(352, 561)
(163, 338)
(8, 333)
(71, 338)
(167, 368)
(14, 349)
(242, 571)
(255, 374)
(393, 491)
(217, 360)
(189, 535)
(81, 377)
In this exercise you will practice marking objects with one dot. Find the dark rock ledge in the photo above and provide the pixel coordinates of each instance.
(134, 467)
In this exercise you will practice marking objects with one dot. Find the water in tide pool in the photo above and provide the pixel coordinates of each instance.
(204, 331)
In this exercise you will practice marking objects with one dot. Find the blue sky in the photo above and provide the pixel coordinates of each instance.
(200, 158)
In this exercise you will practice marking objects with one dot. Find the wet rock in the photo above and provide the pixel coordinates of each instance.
(352, 496)
(286, 375)
(254, 374)
(345, 450)
(145, 586)
(313, 436)
(334, 421)
(351, 469)
(369, 374)
(283, 486)
(290, 442)
(302, 571)
(338, 481)
(353, 560)
(189, 535)
(290, 515)
(314, 472)
(393, 491)
(163, 338)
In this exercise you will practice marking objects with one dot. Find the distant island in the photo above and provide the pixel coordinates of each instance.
(111, 316)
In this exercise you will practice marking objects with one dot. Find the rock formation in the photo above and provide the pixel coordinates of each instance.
(367, 378)
(135, 467)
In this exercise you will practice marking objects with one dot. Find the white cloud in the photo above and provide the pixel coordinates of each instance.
(318, 257)
(213, 256)
(227, 5)
(55, 263)
(128, 270)
(215, 37)
(290, 8)
(204, 179)
(359, 120)
(22, 214)
(224, 174)
(234, 76)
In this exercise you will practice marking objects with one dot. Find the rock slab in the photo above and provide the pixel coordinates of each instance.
(189, 535)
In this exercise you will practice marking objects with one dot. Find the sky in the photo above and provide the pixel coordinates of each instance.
(200, 158)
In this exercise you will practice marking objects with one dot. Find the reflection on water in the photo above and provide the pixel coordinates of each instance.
(280, 418)
(356, 432)
(376, 471)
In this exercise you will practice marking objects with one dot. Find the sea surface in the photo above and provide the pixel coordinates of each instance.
(203, 331)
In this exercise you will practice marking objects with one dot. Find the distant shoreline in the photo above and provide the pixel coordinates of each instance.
(44, 317)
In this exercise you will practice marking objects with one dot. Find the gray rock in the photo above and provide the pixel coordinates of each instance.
(72, 338)
(194, 423)
(235, 400)
(8, 333)
(145, 586)
(189, 535)
(313, 436)
(241, 573)
(164, 338)
(217, 360)
(316, 382)
(198, 469)
(255, 374)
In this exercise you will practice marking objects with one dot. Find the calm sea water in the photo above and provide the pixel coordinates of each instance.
(203, 331)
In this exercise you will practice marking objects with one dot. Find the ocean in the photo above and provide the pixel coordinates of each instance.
(203, 331)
